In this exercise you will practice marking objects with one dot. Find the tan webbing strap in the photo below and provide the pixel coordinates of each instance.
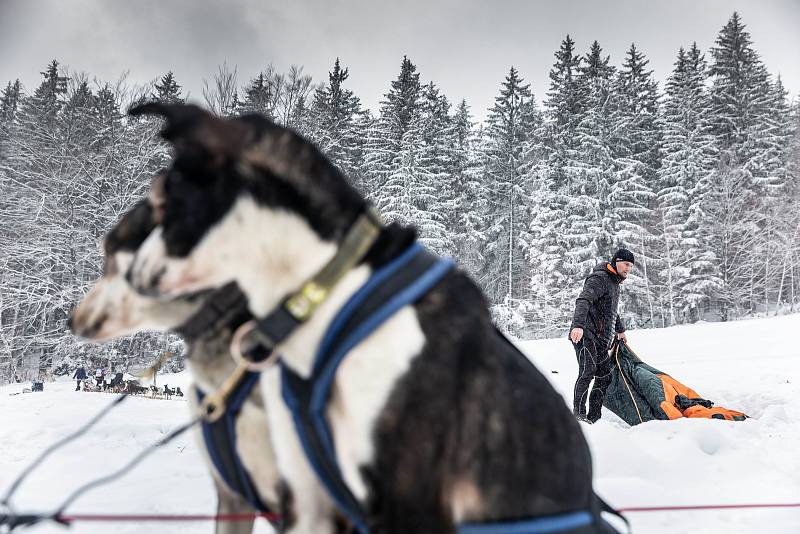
(622, 374)
(356, 243)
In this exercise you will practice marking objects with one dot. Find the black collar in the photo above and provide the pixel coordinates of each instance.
(225, 307)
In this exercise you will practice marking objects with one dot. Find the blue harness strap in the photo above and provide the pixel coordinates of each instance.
(220, 441)
(401, 282)
(561, 523)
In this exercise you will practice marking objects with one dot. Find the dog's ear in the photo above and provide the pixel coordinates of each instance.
(196, 133)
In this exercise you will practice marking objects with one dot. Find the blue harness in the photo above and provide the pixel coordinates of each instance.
(399, 283)
(220, 441)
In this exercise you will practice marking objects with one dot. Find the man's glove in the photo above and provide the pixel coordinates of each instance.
(683, 402)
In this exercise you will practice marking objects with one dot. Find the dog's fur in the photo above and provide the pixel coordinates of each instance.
(112, 309)
(436, 420)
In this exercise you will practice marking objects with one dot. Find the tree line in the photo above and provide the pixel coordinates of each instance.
(700, 179)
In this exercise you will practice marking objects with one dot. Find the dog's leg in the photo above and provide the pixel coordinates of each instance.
(231, 504)
(254, 446)
(306, 507)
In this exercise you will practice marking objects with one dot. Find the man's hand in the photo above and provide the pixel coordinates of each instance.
(576, 334)
(621, 336)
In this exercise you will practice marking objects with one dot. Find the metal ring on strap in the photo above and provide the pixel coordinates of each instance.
(240, 357)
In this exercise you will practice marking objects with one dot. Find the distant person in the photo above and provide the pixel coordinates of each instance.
(80, 376)
(593, 327)
(98, 377)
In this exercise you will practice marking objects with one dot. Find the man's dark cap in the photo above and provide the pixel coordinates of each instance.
(622, 254)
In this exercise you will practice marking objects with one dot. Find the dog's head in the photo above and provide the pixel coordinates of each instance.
(112, 309)
(244, 197)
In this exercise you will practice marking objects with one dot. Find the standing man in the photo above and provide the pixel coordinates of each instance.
(593, 327)
(79, 375)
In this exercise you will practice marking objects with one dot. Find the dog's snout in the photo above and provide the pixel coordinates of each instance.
(92, 329)
(86, 327)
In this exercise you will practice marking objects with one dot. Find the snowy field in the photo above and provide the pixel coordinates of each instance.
(752, 366)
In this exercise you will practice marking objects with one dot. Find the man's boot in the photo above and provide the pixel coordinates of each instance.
(594, 408)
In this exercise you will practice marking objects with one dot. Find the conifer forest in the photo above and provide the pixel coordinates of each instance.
(699, 176)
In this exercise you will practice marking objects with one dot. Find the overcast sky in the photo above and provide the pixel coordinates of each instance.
(464, 46)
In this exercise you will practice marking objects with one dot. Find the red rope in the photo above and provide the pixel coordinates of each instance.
(276, 517)
(166, 517)
(705, 507)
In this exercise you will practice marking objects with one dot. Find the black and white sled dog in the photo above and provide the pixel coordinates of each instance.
(112, 309)
(437, 422)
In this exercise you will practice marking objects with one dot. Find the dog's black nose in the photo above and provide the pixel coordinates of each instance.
(69, 323)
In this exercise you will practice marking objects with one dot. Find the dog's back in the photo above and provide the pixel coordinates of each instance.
(492, 439)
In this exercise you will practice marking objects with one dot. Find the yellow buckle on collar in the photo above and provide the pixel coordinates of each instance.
(302, 304)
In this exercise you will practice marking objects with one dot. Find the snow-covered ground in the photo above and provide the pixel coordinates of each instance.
(752, 366)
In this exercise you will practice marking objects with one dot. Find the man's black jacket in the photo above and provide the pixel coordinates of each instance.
(596, 307)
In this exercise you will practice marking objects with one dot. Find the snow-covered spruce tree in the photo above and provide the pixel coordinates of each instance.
(468, 201)
(741, 96)
(688, 154)
(511, 125)
(636, 143)
(28, 271)
(363, 123)
(167, 90)
(569, 184)
(769, 164)
(436, 130)
(552, 289)
(399, 110)
(558, 227)
(730, 231)
(566, 100)
(9, 103)
(263, 94)
(400, 171)
(790, 276)
(786, 213)
(333, 121)
(591, 226)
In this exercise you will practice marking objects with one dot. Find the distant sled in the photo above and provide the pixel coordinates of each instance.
(640, 392)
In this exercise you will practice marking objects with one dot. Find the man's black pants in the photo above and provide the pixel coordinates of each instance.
(594, 362)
